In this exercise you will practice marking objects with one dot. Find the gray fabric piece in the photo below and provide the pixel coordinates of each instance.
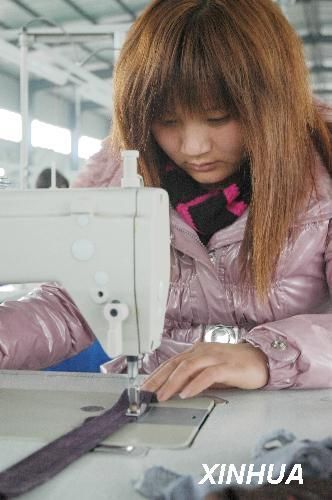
(48, 461)
(281, 447)
(159, 483)
(277, 448)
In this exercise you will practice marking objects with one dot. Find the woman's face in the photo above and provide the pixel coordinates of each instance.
(209, 147)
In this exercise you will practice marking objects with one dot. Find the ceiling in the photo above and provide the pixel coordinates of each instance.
(90, 61)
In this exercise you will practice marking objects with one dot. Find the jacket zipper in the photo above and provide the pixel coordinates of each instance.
(212, 256)
(211, 253)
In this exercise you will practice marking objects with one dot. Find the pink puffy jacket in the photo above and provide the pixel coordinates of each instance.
(46, 327)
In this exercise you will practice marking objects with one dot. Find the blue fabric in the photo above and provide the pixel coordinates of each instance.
(88, 360)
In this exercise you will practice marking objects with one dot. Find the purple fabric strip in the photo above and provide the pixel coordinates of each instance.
(46, 462)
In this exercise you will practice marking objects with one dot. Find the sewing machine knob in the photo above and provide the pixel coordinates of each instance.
(83, 249)
(99, 295)
(116, 311)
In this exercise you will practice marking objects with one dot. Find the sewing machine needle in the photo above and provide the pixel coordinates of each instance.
(133, 389)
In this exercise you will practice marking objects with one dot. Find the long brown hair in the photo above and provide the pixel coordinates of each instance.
(241, 56)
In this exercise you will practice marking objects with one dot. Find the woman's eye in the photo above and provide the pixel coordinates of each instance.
(219, 119)
(168, 122)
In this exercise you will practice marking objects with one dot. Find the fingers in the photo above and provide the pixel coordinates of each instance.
(215, 375)
(154, 381)
(180, 377)
(172, 377)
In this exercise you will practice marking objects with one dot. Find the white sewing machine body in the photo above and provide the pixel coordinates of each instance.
(102, 245)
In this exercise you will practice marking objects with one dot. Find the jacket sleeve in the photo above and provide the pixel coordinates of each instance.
(41, 329)
(299, 348)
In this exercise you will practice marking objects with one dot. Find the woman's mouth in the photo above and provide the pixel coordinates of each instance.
(202, 167)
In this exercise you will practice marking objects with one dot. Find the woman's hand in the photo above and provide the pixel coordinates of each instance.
(209, 364)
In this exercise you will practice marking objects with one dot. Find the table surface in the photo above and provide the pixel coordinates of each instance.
(227, 436)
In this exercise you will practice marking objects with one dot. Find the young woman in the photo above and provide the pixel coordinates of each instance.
(216, 98)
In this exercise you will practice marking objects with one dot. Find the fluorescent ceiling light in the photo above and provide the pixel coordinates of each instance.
(10, 126)
(47, 136)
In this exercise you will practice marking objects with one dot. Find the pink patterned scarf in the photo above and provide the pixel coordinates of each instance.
(207, 211)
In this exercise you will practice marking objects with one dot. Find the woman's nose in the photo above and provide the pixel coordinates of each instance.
(194, 141)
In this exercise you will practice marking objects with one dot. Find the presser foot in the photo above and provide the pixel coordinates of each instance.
(135, 407)
(135, 410)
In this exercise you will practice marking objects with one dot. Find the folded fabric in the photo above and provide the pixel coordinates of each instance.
(281, 447)
(163, 484)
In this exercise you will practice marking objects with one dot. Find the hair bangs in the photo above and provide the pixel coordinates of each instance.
(192, 95)
(192, 81)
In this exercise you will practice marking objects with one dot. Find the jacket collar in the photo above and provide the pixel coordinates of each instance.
(186, 240)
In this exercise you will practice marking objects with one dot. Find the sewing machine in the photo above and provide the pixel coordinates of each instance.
(109, 249)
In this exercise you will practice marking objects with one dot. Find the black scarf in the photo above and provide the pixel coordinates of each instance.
(207, 210)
